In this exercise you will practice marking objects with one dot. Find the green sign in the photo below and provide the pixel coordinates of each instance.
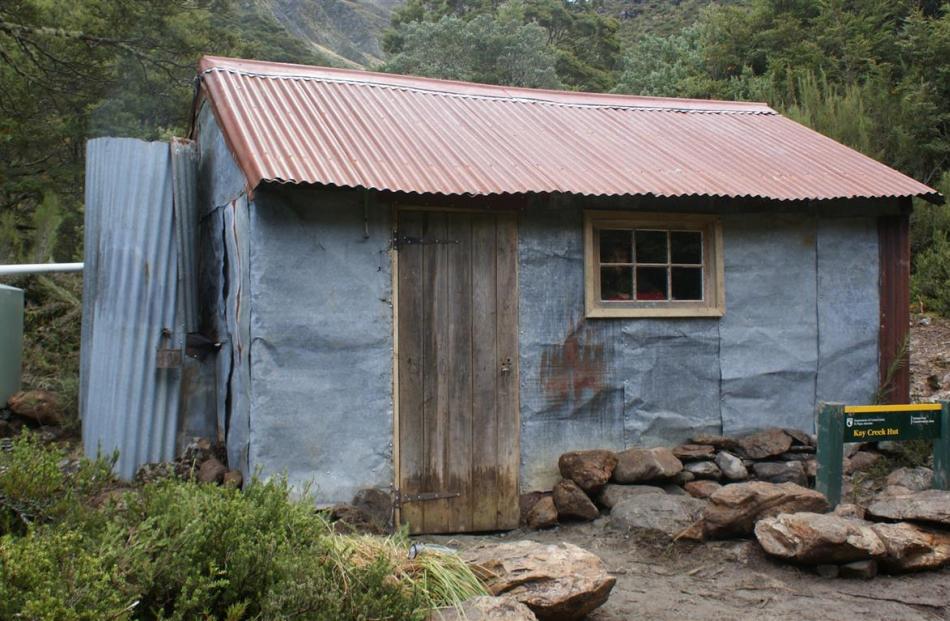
(897, 426)
(839, 424)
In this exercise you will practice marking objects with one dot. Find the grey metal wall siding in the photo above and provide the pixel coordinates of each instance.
(129, 404)
(800, 325)
(321, 348)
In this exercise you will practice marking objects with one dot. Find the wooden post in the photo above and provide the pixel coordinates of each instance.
(942, 450)
(830, 451)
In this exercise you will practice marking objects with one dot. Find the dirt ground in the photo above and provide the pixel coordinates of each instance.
(734, 580)
(731, 580)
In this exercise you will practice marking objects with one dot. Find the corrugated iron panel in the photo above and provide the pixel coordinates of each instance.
(130, 298)
(894, 244)
(299, 124)
(184, 155)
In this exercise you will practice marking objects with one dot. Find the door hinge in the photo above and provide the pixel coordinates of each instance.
(402, 499)
(406, 240)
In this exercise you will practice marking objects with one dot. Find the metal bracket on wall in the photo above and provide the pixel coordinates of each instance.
(401, 499)
(405, 240)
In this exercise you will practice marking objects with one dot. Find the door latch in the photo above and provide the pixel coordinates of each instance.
(506, 365)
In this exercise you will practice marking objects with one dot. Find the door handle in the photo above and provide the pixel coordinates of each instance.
(506, 365)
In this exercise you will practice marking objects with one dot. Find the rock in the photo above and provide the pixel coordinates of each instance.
(781, 472)
(694, 452)
(555, 581)
(674, 490)
(701, 489)
(348, 519)
(764, 444)
(889, 447)
(211, 471)
(666, 514)
(931, 505)
(682, 478)
(149, 473)
(850, 448)
(814, 538)
(197, 451)
(811, 468)
(484, 608)
(912, 548)
(731, 466)
(543, 514)
(800, 437)
(637, 465)
(376, 503)
(703, 470)
(862, 461)
(572, 502)
(612, 494)
(233, 478)
(827, 571)
(734, 509)
(589, 469)
(848, 510)
(718, 442)
(526, 502)
(40, 406)
(914, 479)
(895, 490)
(865, 570)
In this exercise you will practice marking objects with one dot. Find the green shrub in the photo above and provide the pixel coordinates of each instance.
(930, 283)
(182, 550)
(37, 486)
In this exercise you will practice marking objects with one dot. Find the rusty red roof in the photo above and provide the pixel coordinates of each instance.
(302, 124)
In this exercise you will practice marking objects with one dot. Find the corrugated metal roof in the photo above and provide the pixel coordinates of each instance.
(300, 124)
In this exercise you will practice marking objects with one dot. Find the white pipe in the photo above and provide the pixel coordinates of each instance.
(39, 268)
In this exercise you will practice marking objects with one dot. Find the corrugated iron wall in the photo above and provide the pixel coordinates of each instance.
(131, 304)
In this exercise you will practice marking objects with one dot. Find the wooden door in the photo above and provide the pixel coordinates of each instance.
(457, 365)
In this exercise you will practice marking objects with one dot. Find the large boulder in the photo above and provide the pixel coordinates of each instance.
(912, 548)
(703, 470)
(40, 406)
(731, 466)
(914, 479)
(667, 514)
(734, 509)
(589, 469)
(781, 472)
(694, 452)
(638, 465)
(817, 539)
(573, 503)
(557, 582)
(701, 488)
(543, 514)
(718, 442)
(862, 461)
(484, 608)
(212, 471)
(612, 494)
(764, 444)
(932, 506)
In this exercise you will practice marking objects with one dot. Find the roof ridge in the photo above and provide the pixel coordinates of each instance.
(516, 94)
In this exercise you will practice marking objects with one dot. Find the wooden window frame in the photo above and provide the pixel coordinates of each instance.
(714, 289)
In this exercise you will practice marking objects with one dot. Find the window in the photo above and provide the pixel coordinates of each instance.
(653, 265)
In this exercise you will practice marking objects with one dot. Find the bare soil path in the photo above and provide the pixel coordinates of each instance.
(731, 580)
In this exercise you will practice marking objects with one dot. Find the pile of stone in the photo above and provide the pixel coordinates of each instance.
(200, 461)
(599, 480)
(36, 409)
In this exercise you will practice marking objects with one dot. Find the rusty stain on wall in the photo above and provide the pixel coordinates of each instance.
(575, 365)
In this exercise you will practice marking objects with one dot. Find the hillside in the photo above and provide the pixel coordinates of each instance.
(346, 30)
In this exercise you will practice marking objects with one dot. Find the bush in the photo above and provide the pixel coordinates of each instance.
(36, 488)
(930, 283)
(183, 550)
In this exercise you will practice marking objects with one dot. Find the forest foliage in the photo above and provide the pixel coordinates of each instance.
(873, 74)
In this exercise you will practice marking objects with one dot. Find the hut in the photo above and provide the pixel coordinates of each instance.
(435, 288)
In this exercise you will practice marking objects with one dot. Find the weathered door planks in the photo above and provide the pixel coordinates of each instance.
(458, 370)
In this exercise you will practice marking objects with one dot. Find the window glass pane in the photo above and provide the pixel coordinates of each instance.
(651, 283)
(651, 247)
(686, 247)
(615, 246)
(616, 283)
(687, 283)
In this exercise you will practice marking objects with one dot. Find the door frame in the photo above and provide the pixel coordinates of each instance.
(423, 205)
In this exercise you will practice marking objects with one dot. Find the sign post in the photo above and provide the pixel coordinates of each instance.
(838, 423)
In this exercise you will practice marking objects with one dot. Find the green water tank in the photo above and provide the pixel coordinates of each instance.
(11, 340)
